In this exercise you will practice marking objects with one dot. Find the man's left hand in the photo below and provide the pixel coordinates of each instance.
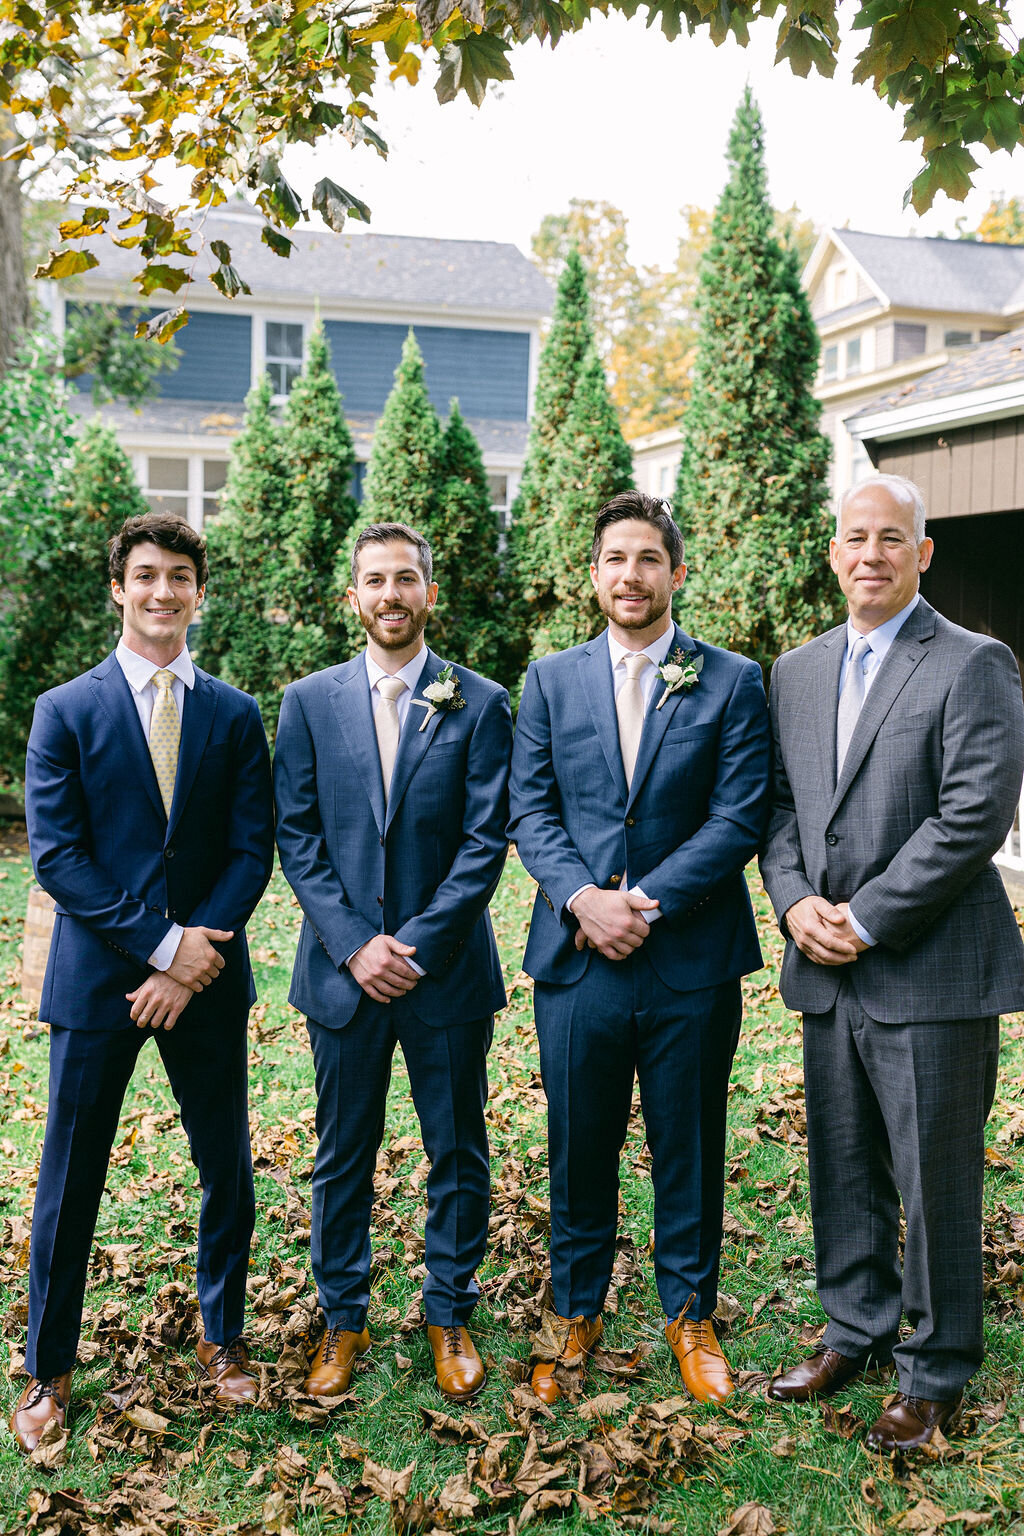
(844, 928)
(158, 1003)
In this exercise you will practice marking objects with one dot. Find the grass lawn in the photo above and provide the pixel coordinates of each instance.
(144, 1454)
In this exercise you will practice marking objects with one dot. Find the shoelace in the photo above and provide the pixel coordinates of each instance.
(44, 1389)
(331, 1342)
(452, 1341)
(232, 1353)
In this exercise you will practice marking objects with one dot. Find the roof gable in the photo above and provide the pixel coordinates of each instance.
(965, 276)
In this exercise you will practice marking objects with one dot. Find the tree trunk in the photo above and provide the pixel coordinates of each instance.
(13, 288)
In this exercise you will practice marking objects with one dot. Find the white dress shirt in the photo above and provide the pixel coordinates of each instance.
(879, 642)
(410, 675)
(139, 674)
(649, 680)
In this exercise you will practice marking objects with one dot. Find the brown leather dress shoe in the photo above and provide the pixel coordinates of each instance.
(584, 1333)
(909, 1422)
(227, 1365)
(705, 1370)
(460, 1371)
(40, 1402)
(330, 1369)
(818, 1376)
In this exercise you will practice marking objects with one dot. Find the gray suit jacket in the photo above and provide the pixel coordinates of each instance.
(926, 797)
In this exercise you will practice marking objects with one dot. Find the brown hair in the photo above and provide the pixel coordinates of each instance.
(394, 533)
(166, 531)
(637, 506)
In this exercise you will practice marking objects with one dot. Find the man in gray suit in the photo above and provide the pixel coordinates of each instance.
(899, 746)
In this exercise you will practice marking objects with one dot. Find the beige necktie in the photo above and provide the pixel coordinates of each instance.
(629, 706)
(164, 736)
(851, 701)
(386, 721)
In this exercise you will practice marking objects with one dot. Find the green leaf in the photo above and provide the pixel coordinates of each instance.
(804, 49)
(468, 64)
(327, 114)
(228, 281)
(916, 32)
(159, 275)
(79, 229)
(432, 15)
(278, 242)
(334, 205)
(948, 170)
(162, 326)
(222, 251)
(66, 264)
(283, 200)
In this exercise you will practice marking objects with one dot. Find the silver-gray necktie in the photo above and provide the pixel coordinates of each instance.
(851, 701)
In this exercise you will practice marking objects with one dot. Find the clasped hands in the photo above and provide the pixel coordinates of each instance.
(380, 968)
(158, 1003)
(823, 932)
(611, 922)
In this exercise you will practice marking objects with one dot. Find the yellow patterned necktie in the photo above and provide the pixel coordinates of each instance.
(164, 736)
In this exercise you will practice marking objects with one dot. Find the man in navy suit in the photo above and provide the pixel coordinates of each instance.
(391, 775)
(150, 823)
(638, 794)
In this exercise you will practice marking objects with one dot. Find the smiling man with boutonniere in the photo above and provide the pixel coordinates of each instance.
(638, 793)
(391, 827)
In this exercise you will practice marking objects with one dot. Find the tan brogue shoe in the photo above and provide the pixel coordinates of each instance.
(460, 1371)
(227, 1366)
(705, 1370)
(40, 1402)
(584, 1333)
(910, 1422)
(330, 1369)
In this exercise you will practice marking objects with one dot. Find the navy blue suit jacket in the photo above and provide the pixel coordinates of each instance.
(423, 870)
(684, 830)
(117, 868)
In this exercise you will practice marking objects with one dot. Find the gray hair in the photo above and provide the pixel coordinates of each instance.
(900, 487)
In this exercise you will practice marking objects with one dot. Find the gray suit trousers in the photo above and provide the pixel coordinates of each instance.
(899, 1110)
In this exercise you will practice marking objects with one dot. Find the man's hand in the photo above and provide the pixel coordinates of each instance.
(196, 963)
(380, 968)
(611, 921)
(822, 932)
(157, 1004)
(846, 928)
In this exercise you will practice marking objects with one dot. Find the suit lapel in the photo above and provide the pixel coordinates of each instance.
(350, 700)
(416, 736)
(825, 701)
(599, 692)
(656, 721)
(114, 695)
(200, 706)
(905, 654)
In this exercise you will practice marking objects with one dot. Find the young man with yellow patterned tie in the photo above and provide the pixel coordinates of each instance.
(150, 823)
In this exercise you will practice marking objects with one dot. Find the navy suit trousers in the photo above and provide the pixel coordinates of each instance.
(89, 1075)
(448, 1078)
(618, 1020)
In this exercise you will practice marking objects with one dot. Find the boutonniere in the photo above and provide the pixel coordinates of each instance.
(681, 670)
(443, 694)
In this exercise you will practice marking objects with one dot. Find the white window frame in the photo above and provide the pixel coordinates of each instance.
(195, 496)
(259, 343)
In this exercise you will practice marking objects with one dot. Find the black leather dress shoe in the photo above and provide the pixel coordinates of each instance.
(822, 1374)
(910, 1422)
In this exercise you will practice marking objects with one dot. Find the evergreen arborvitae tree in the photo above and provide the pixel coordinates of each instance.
(751, 493)
(320, 459)
(466, 624)
(57, 620)
(251, 616)
(591, 463)
(403, 477)
(528, 575)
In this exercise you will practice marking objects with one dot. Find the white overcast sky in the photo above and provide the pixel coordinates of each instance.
(617, 113)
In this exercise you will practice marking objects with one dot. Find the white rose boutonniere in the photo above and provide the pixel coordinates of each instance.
(681, 670)
(442, 695)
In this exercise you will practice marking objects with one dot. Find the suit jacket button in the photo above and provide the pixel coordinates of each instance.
(380, 901)
(615, 879)
(168, 853)
(630, 821)
(831, 839)
(382, 842)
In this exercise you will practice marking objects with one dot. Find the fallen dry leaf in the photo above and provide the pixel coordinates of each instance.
(750, 1520)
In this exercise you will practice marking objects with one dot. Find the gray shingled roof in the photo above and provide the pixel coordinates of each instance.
(969, 275)
(216, 419)
(982, 367)
(359, 267)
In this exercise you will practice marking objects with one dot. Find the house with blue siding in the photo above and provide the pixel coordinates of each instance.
(476, 308)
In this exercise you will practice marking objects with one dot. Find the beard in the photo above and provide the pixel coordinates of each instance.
(400, 636)
(642, 618)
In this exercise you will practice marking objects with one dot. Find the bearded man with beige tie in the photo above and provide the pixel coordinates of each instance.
(150, 823)
(391, 775)
(899, 747)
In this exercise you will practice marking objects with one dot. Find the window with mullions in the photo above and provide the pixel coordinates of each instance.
(283, 348)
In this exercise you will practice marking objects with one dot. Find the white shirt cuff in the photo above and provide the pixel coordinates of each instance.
(590, 886)
(163, 956)
(417, 969)
(654, 913)
(861, 933)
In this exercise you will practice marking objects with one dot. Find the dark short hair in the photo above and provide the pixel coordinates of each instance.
(164, 529)
(394, 533)
(637, 506)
